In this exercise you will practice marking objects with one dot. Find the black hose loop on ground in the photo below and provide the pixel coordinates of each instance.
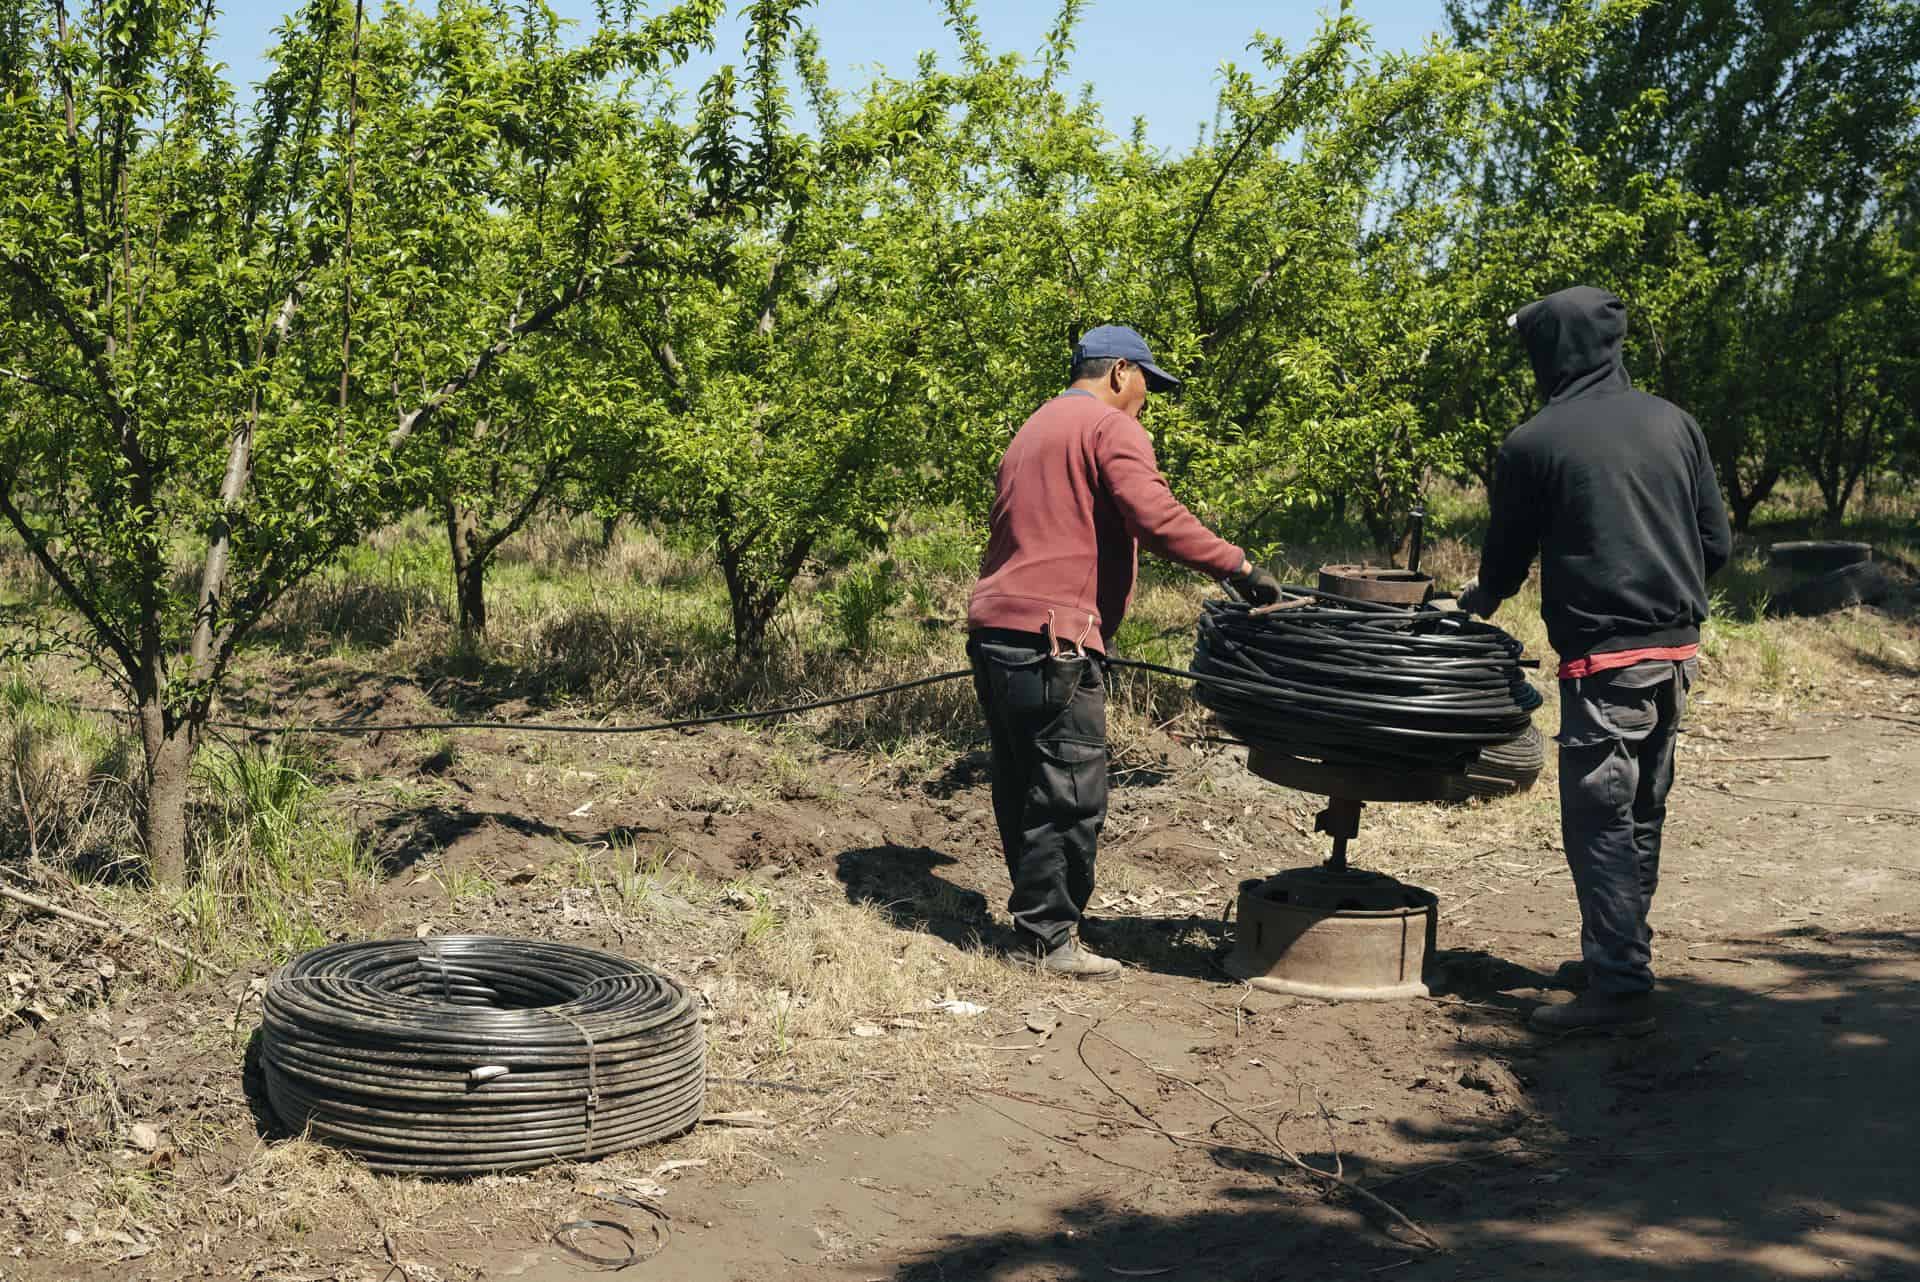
(463, 1054)
(1355, 684)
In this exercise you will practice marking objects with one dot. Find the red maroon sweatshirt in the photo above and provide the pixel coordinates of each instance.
(1078, 492)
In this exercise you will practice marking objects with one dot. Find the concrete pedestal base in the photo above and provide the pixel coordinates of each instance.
(1335, 934)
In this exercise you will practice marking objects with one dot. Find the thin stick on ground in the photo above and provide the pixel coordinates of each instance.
(1333, 1145)
(1279, 1146)
(1063, 1139)
(100, 923)
(1829, 803)
(26, 812)
(1080, 1049)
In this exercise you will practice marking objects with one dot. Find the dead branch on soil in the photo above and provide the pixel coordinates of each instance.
(1830, 803)
(1063, 1139)
(26, 811)
(1278, 1146)
(749, 1120)
(1461, 1001)
(100, 923)
(1333, 1144)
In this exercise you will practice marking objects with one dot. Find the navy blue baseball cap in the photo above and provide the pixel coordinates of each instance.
(1124, 342)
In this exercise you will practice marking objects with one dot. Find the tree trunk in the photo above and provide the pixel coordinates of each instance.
(469, 569)
(751, 609)
(472, 591)
(163, 803)
(609, 526)
(1743, 501)
(1387, 536)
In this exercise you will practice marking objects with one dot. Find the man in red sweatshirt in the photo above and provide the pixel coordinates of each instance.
(1078, 492)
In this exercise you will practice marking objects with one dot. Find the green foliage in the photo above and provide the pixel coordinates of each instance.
(1737, 170)
(229, 331)
(804, 393)
(859, 601)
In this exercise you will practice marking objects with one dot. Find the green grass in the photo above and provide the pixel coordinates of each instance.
(68, 777)
(273, 862)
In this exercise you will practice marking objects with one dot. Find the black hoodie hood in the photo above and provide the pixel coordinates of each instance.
(1574, 339)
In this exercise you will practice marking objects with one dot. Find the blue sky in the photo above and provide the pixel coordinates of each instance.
(1149, 58)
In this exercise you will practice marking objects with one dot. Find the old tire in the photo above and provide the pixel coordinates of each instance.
(1502, 770)
(1821, 556)
(1862, 583)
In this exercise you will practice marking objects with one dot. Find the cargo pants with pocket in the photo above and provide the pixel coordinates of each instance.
(1617, 736)
(1047, 718)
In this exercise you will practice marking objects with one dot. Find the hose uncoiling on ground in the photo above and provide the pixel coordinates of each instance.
(1356, 684)
(393, 1049)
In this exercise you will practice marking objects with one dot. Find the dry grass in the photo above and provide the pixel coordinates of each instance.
(67, 779)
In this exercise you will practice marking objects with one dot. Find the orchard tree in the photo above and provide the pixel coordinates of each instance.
(1293, 267)
(804, 393)
(1850, 378)
(1790, 125)
(232, 332)
(537, 430)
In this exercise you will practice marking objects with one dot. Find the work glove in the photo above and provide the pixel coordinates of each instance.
(1476, 600)
(1256, 586)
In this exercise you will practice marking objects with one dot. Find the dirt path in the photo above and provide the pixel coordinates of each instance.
(1767, 1130)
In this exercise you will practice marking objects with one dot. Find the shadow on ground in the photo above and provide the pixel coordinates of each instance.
(1763, 1132)
(905, 883)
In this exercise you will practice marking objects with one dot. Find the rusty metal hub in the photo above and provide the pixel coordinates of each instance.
(1332, 931)
(1386, 586)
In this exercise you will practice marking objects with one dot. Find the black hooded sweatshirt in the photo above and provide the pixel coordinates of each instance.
(1612, 487)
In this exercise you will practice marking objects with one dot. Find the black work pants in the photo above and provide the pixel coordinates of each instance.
(1617, 734)
(1047, 717)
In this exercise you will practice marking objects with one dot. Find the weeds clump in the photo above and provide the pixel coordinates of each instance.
(859, 602)
(69, 776)
(272, 859)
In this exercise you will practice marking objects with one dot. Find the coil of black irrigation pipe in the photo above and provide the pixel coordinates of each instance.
(1356, 683)
(468, 1054)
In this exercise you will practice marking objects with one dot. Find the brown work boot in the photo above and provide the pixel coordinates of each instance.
(1072, 961)
(1612, 1014)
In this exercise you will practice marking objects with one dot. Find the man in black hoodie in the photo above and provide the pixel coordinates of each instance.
(1612, 488)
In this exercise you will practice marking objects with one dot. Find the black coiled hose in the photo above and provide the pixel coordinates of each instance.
(1356, 684)
(465, 1054)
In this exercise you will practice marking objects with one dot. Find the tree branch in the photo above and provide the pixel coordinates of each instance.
(777, 278)
(1286, 96)
(91, 350)
(45, 385)
(582, 288)
(491, 544)
(121, 647)
(203, 649)
(74, 180)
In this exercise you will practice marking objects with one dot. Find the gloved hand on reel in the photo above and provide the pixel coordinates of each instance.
(1477, 601)
(1254, 585)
